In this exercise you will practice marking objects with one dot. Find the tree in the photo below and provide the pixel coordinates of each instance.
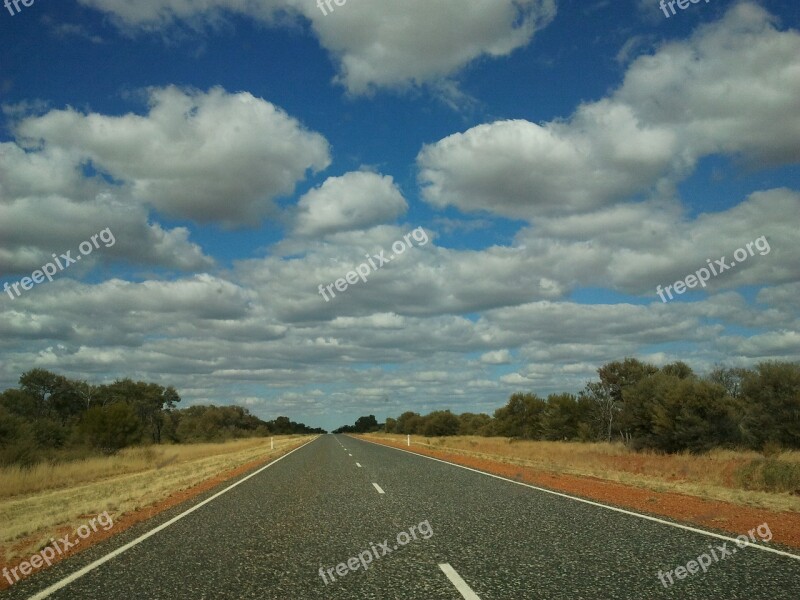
(110, 428)
(40, 385)
(616, 376)
(678, 369)
(607, 395)
(730, 378)
(17, 440)
(366, 424)
(673, 414)
(86, 392)
(605, 407)
(149, 400)
(440, 423)
(520, 417)
(409, 423)
(771, 396)
(20, 403)
(474, 424)
(562, 416)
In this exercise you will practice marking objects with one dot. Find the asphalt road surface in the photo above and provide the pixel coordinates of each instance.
(431, 531)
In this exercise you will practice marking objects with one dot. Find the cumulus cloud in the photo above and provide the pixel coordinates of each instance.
(496, 357)
(730, 89)
(28, 240)
(522, 170)
(439, 327)
(206, 156)
(629, 248)
(418, 41)
(356, 200)
(398, 43)
(47, 206)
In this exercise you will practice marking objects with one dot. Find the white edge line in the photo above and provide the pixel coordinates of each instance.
(377, 487)
(457, 581)
(100, 561)
(598, 504)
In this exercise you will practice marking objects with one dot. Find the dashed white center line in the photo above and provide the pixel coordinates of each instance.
(460, 584)
(377, 487)
(348, 454)
(358, 465)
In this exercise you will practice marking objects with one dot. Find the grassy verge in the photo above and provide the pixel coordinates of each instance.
(39, 502)
(740, 477)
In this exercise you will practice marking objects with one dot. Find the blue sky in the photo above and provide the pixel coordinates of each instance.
(563, 159)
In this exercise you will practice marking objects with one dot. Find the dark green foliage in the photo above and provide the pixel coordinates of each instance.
(563, 415)
(110, 428)
(521, 417)
(440, 422)
(671, 414)
(220, 423)
(17, 440)
(368, 424)
(771, 396)
(730, 379)
(475, 424)
(51, 417)
(668, 409)
(409, 422)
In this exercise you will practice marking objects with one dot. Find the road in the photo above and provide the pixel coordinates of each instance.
(477, 536)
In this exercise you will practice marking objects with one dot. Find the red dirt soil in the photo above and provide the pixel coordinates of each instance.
(711, 514)
(128, 520)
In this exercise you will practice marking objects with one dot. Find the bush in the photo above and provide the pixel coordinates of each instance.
(111, 428)
(17, 441)
(770, 475)
(439, 423)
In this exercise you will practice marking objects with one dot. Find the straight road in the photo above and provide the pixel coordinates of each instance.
(431, 531)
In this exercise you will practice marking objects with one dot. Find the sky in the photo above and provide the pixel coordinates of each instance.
(533, 174)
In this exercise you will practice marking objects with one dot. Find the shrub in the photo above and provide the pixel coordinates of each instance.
(770, 475)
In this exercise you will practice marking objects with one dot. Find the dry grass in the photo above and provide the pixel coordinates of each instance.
(38, 501)
(49, 476)
(718, 475)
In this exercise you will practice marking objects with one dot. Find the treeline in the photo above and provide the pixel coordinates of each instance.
(367, 424)
(668, 409)
(50, 416)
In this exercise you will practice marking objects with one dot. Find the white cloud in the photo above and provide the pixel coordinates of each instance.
(419, 41)
(356, 200)
(438, 327)
(375, 43)
(496, 357)
(32, 229)
(731, 89)
(207, 156)
(522, 170)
